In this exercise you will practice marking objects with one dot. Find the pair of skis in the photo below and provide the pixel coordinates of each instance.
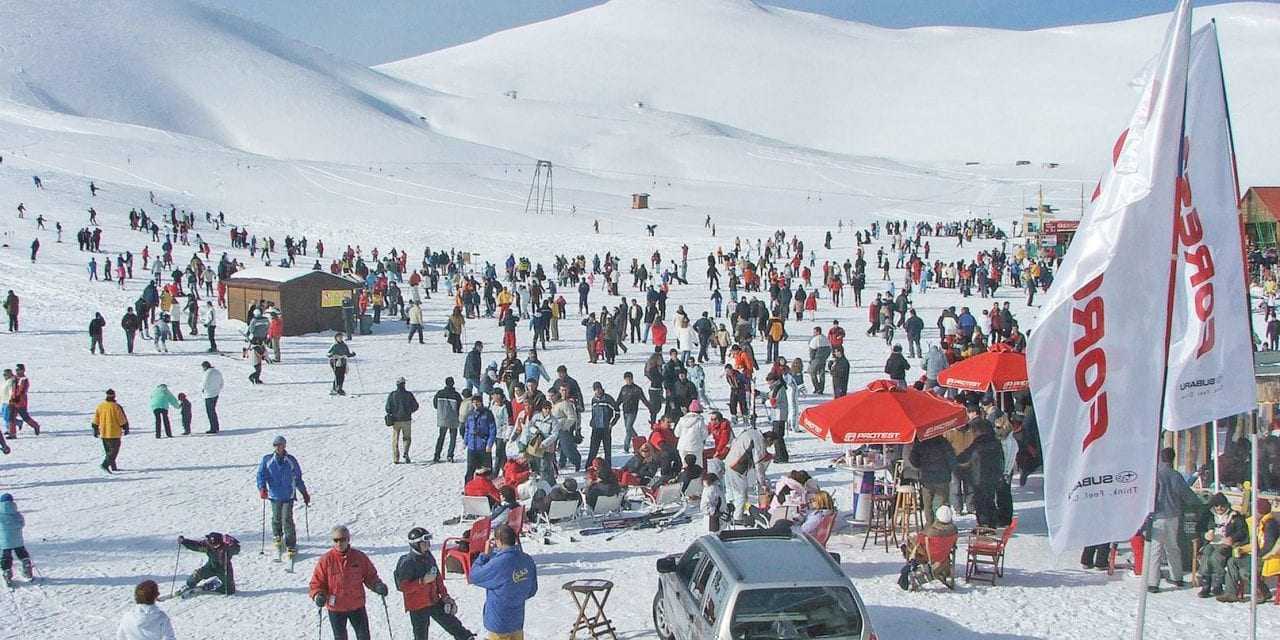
(657, 520)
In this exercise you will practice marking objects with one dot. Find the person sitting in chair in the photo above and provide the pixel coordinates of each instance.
(918, 569)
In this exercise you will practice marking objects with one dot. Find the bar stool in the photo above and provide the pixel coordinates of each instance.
(591, 596)
(880, 525)
(907, 517)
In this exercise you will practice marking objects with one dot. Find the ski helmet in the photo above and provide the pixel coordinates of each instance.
(418, 535)
(213, 539)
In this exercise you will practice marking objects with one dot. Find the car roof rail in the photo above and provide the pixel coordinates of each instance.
(751, 534)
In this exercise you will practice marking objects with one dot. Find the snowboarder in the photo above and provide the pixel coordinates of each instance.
(425, 595)
(218, 549)
(110, 424)
(11, 525)
(280, 480)
(338, 355)
(338, 582)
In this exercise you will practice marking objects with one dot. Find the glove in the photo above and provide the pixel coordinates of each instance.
(449, 606)
(380, 589)
(95, 430)
(306, 498)
(125, 428)
(181, 539)
(262, 493)
(319, 599)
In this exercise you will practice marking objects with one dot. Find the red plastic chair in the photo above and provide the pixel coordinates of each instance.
(941, 550)
(825, 528)
(986, 550)
(477, 539)
(515, 520)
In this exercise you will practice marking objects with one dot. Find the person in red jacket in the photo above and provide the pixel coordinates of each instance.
(338, 584)
(425, 596)
(482, 485)
(835, 335)
(721, 434)
(275, 331)
(515, 472)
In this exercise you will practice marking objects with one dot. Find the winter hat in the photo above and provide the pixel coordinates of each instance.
(400, 380)
(695, 406)
(277, 441)
(1219, 501)
(448, 382)
(944, 514)
(6, 497)
(111, 394)
(1262, 508)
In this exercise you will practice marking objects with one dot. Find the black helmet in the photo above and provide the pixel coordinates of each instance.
(213, 539)
(418, 535)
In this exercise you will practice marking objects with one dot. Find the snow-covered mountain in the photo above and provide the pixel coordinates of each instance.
(939, 93)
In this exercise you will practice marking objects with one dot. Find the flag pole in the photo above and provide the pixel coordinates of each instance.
(1253, 535)
(1149, 559)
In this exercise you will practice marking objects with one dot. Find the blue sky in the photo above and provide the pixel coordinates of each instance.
(375, 31)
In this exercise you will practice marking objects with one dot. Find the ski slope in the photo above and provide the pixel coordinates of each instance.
(950, 94)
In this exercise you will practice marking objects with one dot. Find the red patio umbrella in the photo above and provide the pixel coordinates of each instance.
(1001, 367)
(883, 413)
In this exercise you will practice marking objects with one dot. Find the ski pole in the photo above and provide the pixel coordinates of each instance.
(173, 583)
(320, 623)
(306, 520)
(387, 613)
(262, 549)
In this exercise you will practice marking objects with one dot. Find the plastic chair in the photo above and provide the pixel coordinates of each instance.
(475, 507)
(607, 504)
(986, 550)
(942, 550)
(477, 539)
(825, 528)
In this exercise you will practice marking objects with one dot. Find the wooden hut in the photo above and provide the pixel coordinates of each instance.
(639, 201)
(311, 301)
(1259, 210)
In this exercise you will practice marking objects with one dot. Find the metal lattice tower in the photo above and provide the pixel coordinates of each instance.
(541, 193)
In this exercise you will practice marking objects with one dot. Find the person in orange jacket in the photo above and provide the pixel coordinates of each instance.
(338, 582)
(275, 331)
(425, 596)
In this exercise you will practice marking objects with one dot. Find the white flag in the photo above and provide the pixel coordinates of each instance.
(1211, 353)
(1096, 357)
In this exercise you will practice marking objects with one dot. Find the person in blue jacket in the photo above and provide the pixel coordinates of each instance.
(279, 480)
(477, 435)
(509, 578)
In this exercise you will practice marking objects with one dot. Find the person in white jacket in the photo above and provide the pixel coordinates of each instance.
(144, 620)
(691, 432)
(210, 389)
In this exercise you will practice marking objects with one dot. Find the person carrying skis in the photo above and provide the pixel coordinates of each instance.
(279, 480)
(218, 549)
(425, 595)
(11, 525)
(338, 355)
(338, 582)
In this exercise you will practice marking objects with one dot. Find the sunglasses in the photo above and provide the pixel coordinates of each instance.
(340, 539)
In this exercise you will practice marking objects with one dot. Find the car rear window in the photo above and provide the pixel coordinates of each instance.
(796, 614)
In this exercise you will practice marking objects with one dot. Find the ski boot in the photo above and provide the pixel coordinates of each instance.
(278, 545)
(28, 569)
(8, 578)
(293, 554)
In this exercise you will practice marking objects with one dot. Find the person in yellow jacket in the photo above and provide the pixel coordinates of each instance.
(1266, 527)
(110, 424)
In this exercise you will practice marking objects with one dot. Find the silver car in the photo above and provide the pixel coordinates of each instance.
(757, 584)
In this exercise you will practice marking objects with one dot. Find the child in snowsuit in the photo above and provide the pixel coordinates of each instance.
(11, 524)
(218, 549)
(184, 408)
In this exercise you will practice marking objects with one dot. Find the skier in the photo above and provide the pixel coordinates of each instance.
(279, 480)
(11, 524)
(425, 595)
(337, 584)
(218, 549)
(145, 621)
(110, 424)
(338, 355)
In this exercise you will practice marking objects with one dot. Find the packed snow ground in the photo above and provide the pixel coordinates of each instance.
(94, 536)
